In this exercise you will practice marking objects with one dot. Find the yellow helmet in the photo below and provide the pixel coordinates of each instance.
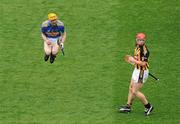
(52, 16)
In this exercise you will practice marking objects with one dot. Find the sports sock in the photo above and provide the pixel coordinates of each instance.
(52, 58)
(147, 105)
(129, 106)
(46, 57)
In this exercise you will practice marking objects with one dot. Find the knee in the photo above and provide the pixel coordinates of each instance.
(133, 92)
(54, 52)
(47, 52)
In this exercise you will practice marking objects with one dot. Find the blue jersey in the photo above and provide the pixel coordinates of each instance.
(51, 31)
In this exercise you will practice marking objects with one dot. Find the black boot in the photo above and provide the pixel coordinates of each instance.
(52, 58)
(46, 57)
(125, 109)
(148, 109)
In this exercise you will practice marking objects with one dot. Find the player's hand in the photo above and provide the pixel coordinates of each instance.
(129, 59)
(143, 63)
(135, 57)
(48, 42)
(62, 45)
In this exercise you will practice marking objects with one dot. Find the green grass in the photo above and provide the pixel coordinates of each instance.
(88, 84)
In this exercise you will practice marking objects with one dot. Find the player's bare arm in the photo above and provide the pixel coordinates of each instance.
(45, 39)
(63, 37)
(141, 63)
(133, 60)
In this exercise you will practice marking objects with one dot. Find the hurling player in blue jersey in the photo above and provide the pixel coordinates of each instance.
(53, 34)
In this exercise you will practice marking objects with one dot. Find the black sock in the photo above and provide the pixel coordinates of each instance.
(52, 58)
(46, 57)
(147, 105)
(129, 106)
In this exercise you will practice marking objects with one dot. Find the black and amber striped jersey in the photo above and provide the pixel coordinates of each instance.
(141, 53)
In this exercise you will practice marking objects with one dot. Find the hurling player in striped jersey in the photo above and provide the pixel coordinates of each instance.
(139, 76)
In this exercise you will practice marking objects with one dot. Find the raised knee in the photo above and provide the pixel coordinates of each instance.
(48, 52)
(54, 52)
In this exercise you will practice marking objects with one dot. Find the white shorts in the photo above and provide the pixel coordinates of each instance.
(53, 47)
(140, 75)
(53, 39)
(54, 42)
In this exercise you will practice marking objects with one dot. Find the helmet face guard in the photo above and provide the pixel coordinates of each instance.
(140, 39)
(52, 17)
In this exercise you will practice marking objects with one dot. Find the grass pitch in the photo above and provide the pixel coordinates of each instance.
(87, 84)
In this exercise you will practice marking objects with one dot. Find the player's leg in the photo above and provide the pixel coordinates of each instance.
(47, 50)
(55, 49)
(147, 105)
(142, 97)
(131, 96)
(134, 86)
(127, 107)
(133, 89)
